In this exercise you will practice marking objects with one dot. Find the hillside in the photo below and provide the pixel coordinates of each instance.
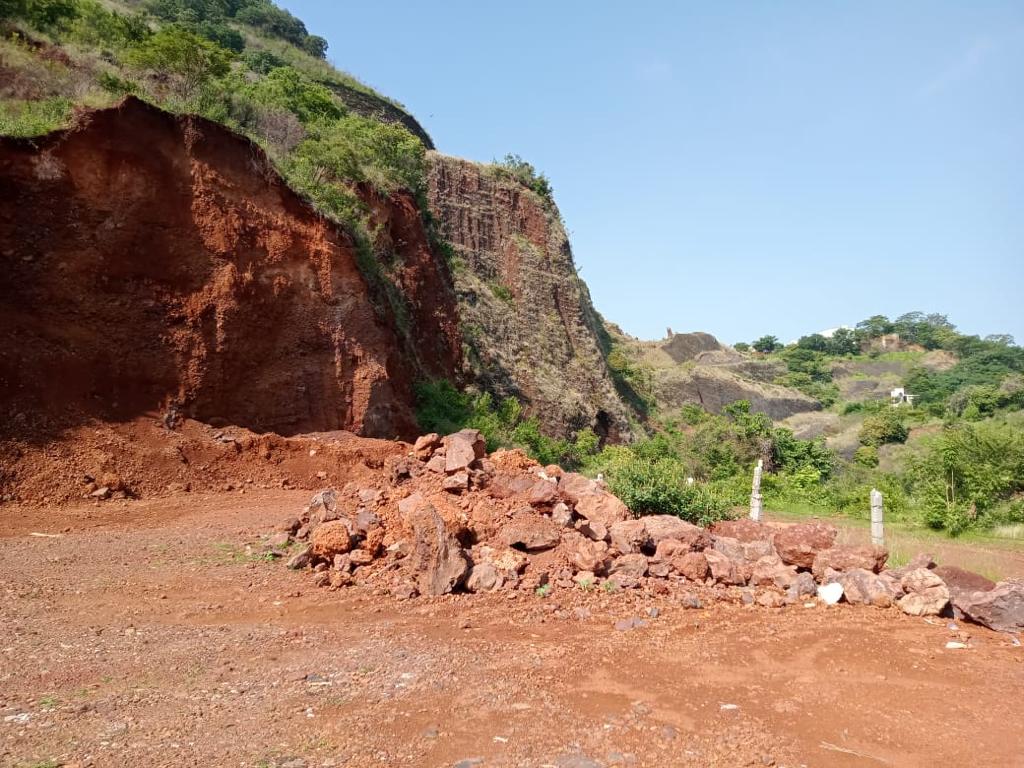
(317, 263)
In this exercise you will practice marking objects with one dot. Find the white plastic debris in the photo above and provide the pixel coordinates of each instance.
(955, 646)
(730, 706)
(830, 594)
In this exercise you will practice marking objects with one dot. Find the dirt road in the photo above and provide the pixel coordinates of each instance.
(145, 634)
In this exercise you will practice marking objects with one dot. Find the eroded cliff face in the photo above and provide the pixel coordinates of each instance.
(528, 323)
(154, 262)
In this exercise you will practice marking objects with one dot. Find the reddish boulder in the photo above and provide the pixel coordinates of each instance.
(628, 570)
(586, 555)
(862, 586)
(847, 558)
(530, 532)
(561, 515)
(692, 565)
(744, 529)
(601, 508)
(543, 493)
(723, 569)
(770, 571)
(573, 487)
(330, 539)
(661, 527)
(426, 444)
(437, 559)
(462, 449)
(926, 594)
(961, 583)
(456, 483)
(799, 544)
(629, 536)
(1000, 608)
(506, 485)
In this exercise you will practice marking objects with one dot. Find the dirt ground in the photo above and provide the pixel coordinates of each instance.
(144, 633)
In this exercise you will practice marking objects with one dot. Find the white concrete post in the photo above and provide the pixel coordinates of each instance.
(755, 493)
(877, 527)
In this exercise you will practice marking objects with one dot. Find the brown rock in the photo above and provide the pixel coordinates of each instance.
(744, 529)
(692, 565)
(770, 571)
(723, 569)
(483, 577)
(601, 508)
(299, 559)
(629, 536)
(330, 539)
(769, 599)
(437, 560)
(573, 487)
(847, 558)
(627, 570)
(425, 445)
(962, 585)
(410, 504)
(436, 464)
(926, 594)
(799, 544)
(456, 483)
(1000, 608)
(561, 515)
(360, 557)
(530, 532)
(862, 586)
(543, 493)
(661, 527)
(584, 554)
(507, 485)
(593, 529)
(462, 449)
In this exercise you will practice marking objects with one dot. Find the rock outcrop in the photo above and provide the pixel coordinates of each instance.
(528, 324)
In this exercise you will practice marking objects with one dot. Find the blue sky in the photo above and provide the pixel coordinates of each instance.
(737, 167)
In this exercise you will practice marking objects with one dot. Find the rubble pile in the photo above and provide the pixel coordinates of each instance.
(450, 518)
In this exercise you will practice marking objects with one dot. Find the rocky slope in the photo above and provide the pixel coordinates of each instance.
(528, 322)
(695, 368)
(157, 262)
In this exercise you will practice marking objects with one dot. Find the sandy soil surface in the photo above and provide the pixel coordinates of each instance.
(144, 633)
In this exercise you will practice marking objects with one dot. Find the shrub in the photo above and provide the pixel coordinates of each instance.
(884, 427)
(660, 488)
(767, 344)
(866, 456)
(516, 168)
(33, 118)
(288, 88)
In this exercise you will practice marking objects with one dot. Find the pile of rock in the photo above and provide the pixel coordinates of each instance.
(451, 518)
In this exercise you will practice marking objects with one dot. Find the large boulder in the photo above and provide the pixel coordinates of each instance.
(723, 569)
(585, 554)
(1000, 608)
(661, 527)
(530, 532)
(462, 449)
(438, 563)
(847, 558)
(862, 586)
(799, 544)
(629, 536)
(573, 487)
(962, 585)
(770, 571)
(926, 594)
(330, 539)
(692, 565)
(506, 485)
(628, 570)
(543, 493)
(601, 509)
(742, 529)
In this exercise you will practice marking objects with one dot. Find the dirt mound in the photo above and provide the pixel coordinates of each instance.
(143, 459)
(157, 262)
(687, 346)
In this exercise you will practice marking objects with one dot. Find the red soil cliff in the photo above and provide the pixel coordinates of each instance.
(158, 262)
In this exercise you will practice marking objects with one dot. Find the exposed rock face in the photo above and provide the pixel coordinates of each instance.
(682, 347)
(527, 318)
(373, 106)
(157, 262)
(716, 387)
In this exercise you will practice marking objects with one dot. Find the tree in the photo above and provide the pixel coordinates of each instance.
(815, 342)
(176, 50)
(288, 88)
(844, 342)
(1004, 339)
(741, 346)
(767, 344)
(874, 326)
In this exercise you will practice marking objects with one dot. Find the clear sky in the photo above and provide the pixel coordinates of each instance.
(737, 167)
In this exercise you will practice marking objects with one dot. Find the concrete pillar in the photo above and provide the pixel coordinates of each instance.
(877, 526)
(756, 512)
